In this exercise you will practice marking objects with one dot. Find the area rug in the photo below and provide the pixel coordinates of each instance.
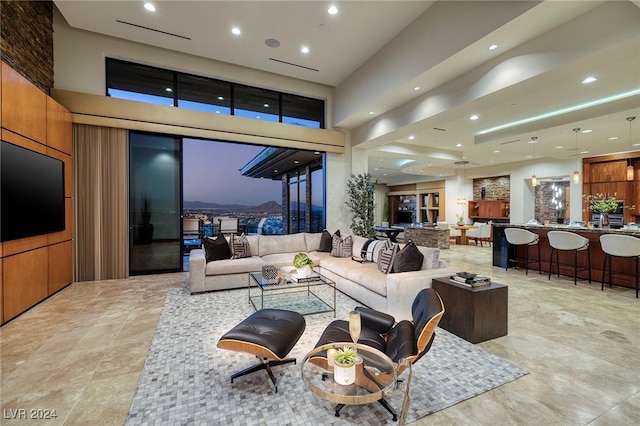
(186, 381)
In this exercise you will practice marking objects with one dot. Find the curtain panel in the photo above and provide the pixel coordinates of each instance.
(101, 234)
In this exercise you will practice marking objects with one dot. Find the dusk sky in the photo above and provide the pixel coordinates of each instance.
(211, 174)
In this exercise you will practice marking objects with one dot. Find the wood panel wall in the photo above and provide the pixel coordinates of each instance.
(607, 175)
(34, 268)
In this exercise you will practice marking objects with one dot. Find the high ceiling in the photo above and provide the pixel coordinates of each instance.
(532, 80)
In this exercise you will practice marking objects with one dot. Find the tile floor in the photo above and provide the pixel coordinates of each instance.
(81, 352)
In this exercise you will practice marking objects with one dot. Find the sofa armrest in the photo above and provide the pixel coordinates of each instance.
(197, 268)
(403, 287)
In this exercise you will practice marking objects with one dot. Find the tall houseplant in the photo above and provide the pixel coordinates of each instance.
(360, 204)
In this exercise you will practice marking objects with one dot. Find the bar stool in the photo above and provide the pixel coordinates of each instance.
(619, 246)
(520, 237)
(568, 241)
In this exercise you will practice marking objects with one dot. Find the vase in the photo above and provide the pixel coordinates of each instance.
(344, 374)
(305, 271)
(604, 220)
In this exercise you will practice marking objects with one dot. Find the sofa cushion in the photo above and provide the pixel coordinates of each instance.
(431, 257)
(341, 247)
(234, 266)
(387, 253)
(269, 244)
(326, 241)
(312, 240)
(368, 277)
(216, 248)
(407, 259)
(240, 247)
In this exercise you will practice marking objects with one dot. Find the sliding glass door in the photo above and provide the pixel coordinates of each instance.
(155, 243)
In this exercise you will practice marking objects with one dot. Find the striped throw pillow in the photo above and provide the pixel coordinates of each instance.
(341, 247)
(368, 249)
(387, 253)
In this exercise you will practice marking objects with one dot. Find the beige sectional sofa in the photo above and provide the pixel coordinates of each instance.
(392, 293)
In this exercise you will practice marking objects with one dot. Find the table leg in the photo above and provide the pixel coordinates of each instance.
(463, 237)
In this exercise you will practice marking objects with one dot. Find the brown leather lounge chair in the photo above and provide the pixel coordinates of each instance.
(408, 340)
(269, 334)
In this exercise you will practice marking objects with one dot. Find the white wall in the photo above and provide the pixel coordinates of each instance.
(80, 66)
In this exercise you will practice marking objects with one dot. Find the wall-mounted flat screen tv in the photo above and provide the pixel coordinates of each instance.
(31, 193)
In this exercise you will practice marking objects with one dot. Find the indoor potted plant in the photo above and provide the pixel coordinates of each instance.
(303, 264)
(344, 363)
(361, 205)
(460, 219)
(561, 211)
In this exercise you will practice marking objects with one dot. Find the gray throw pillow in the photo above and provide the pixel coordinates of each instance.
(216, 248)
(408, 259)
(341, 247)
(387, 253)
(240, 246)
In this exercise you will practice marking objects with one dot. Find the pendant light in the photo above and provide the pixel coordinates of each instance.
(534, 179)
(576, 174)
(630, 171)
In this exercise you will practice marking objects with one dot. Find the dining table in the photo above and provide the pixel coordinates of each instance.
(463, 232)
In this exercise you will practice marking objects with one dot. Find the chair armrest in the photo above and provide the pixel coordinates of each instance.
(375, 320)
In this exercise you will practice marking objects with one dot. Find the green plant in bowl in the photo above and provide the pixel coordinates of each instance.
(345, 356)
(300, 260)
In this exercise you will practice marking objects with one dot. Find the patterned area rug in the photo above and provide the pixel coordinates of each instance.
(186, 377)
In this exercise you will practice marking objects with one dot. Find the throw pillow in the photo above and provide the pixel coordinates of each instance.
(407, 259)
(326, 241)
(368, 249)
(387, 253)
(341, 247)
(216, 248)
(240, 247)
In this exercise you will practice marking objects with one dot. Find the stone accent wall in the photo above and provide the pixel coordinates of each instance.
(26, 40)
(544, 208)
(495, 188)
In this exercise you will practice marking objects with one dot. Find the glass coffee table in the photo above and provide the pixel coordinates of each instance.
(314, 296)
(375, 379)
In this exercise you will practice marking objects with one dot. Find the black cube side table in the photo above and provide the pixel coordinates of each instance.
(475, 314)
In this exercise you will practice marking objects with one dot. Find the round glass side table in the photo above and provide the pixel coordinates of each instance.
(375, 378)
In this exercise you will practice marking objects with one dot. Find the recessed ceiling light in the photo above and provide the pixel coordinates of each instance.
(496, 151)
(221, 98)
(458, 145)
(584, 152)
(636, 144)
(558, 147)
(266, 105)
(613, 138)
(304, 49)
(529, 156)
(493, 47)
(150, 7)
(586, 131)
(416, 88)
(296, 162)
(412, 137)
(317, 152)
(370, 112)
(168, 89)
(236, 31)
(474, 117)
(589, 80)
(333, 10)
(275, 170)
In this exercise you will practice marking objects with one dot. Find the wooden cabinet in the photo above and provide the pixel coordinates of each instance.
(421, 202)
(495, 210)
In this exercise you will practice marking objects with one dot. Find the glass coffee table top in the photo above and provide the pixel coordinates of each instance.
(313, 296)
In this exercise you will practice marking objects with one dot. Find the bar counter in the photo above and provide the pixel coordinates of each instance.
(625, 267)
(427, 236)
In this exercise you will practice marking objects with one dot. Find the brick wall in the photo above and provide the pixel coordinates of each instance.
(26, 40)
